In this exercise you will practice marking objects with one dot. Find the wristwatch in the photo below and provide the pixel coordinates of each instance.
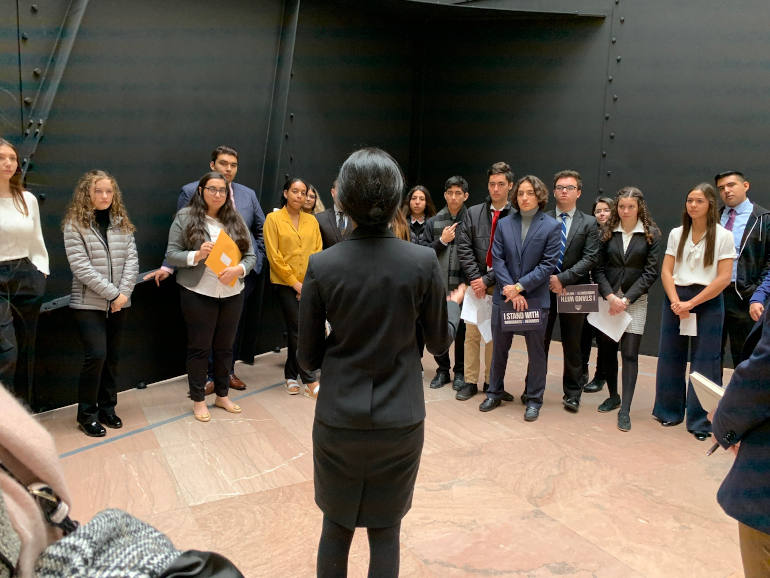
(519, 287)
(624, 300)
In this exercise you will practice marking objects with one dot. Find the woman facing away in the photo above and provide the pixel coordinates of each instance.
(101, 250)
(211, 302)
(696, 269)
(628, 267)
(23, 270)
(368, 428)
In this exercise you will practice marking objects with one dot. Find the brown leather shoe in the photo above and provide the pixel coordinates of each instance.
(236, 383)
(208, 389)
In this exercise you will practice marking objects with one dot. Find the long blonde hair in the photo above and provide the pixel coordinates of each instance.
(81, 211)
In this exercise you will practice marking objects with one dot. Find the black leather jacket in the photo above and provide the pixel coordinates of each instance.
(473, 241)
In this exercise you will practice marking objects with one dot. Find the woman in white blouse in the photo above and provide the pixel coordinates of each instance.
(211, 303)
(23, 269)
(696, 269)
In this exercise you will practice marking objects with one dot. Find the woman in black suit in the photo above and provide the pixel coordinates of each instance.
(368, 429)
(628, 266)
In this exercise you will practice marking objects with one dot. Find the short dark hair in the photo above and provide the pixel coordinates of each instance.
(567, 174)
(456, 181)
(501, 168)
(541, 191)
(369, 187)
(223, 150)
(724, 174)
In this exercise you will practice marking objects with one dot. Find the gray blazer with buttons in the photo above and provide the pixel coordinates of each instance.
(177, 250)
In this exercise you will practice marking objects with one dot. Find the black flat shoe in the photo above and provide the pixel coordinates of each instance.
(612, 402)
(489, 404)
(666, 423)
(467, 392)
(93, 429)
(701, 435)
(624, 421)
(594, 386)
(111, 420)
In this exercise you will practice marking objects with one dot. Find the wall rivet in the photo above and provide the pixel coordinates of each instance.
(606, 117)
(40, 122)
(614, 97)
(604, 153)
(609, 78)
(291, 115)
(601, 190)
(614, 40)
(36, 71)
(622, 19)
(26, 132)
(27, 100)
(24, 36)
(618, 58)
(609, 173)
(33, 8)
(286, 136)
(612, 135)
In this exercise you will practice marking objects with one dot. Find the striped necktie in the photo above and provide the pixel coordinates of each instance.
(563, 247)
(730, 219)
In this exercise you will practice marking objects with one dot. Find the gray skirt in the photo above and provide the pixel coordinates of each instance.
(366, 477)
(638, 312)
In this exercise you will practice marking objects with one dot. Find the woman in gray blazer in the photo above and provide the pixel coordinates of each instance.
(211, 303)
(100, 247)
(368, 430)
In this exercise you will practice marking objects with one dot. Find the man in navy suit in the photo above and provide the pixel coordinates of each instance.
(741, 423)
(224, 159)
(524, 253)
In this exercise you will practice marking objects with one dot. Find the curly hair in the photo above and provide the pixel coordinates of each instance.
(712, 219)
(541, 191)
(17, 188)
(643, 214)
(80, 211)
(195, 233)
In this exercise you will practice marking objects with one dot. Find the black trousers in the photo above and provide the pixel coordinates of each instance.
(101, 334)
(21, 292)
(737, 325)
(571, 330)
(443, 361)
(287, 298)
(211, 325)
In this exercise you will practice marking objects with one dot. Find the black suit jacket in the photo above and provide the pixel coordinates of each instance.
(743, 415)
(330, 234)
(582, 252)
(370, 364)
(633, 271)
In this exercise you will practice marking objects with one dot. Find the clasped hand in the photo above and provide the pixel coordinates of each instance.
(681, 308)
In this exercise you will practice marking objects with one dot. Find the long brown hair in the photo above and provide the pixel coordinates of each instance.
(712, 218)
(430, 208)
(400, 227)
(81, 211)
(17, 188)
(195, 234)
(643, 214)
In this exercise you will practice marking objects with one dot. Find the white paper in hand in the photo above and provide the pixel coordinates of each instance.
(689, 326)
(611, 325)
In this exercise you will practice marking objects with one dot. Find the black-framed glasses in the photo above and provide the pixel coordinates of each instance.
(568, 188)
(216, 191)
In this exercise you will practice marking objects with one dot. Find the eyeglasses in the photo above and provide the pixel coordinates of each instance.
(215, 191)
(569, 188)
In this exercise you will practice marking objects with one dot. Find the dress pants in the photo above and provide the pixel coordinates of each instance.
(100, 332)
(211, 325)
(571, 330)
(472, 356)
(21, 292)
(673, 393)
(443, 361)
(287, 298)
(738, 324)
(537, 365)
(755, 551)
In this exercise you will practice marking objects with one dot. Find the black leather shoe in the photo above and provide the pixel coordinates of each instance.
(583, 379)
(459, 382)
(612, 402)
(111, 420)
(489, 404)
(666, 423)
(506, 396)
(467, 392)
(624, 421)
(441, 379)
(523, 399)
(531, 414)
(701, 435)
(93, 429)
(571, 404)
(594, 385)
(486, 387)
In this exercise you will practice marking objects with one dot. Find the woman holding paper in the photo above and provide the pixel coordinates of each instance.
(100, 247)
(628, 266)
(291, 236)
(211, 289)
(696, 269)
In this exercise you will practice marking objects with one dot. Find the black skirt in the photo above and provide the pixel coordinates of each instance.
(366, 477)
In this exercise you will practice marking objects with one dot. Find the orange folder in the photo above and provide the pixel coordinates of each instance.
(224, 254)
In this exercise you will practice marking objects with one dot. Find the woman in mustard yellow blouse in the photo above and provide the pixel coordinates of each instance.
(291, 236)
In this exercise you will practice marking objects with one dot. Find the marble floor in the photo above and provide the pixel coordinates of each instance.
(568, 495)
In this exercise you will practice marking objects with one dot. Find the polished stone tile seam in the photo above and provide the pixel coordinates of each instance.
(152, 426)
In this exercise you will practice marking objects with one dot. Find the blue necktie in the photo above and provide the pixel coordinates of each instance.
(563, 241)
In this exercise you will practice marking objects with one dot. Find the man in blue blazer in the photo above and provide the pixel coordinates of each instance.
(741, 422)
(524, 253)
(224, 159)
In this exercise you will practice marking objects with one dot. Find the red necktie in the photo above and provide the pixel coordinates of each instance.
(492, 238)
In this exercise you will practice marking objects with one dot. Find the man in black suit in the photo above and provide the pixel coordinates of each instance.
(578, 254)
(334, 223)
(750, 225)
(741, 423)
